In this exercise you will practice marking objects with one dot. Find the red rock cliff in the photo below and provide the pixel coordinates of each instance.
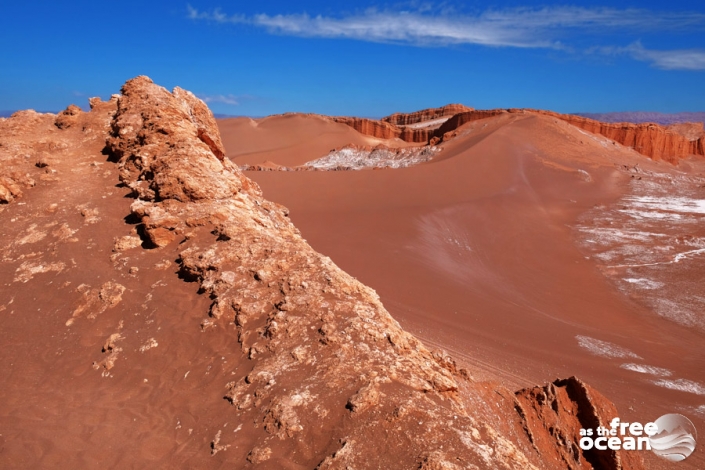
(385, 130)
(404, 119)
(657, 142)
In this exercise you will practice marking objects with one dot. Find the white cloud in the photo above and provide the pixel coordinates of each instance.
(517, 27)
(680, 59)
(225, 99)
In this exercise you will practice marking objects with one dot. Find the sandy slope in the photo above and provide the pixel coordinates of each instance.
(484, 251)
(289, 139)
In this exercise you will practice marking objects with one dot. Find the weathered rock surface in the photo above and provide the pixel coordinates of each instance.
(378, 129)
(192, 168)
(68, 117)
(20, 152)
(553, 416)
(405, 119)
(31, 142)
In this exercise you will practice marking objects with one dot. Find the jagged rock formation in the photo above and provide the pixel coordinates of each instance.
(68, 117)
(554, 413)
(655, 141)
(327, 378)
(416, 127)
(431, 114)
(321, 344)
(20, 152)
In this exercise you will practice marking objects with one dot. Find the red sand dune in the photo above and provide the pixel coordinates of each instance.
(289, 139)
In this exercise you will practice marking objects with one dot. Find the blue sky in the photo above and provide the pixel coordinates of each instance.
(360, 58)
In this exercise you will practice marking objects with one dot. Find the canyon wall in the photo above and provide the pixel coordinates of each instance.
(654, 141)
(405, 119)
(668, 143)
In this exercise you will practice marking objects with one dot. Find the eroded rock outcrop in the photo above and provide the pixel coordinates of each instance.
(333, 381)
(31, 143)
(654, 141)
(20, 154)
(430, 114)
(553, 416)
(179, 146)
(372, 127)
(68, 117)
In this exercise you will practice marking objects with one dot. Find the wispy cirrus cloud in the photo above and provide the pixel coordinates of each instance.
(679, 59)
(224, 99)
(671, 59)
(516, 27)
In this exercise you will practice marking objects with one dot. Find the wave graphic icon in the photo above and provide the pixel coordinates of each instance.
(675, 439)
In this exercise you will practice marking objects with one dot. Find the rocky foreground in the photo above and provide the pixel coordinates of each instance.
(281, 360)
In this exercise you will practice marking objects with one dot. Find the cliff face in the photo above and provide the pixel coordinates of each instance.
(652, 140)
(324, 376)
(405, 119)
(396, 126)
(553, 413)
(371, 127)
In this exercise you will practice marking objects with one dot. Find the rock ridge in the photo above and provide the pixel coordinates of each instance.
(430, 114)
(334, 380)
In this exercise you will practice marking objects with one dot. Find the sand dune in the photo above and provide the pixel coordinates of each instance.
(289, 139)
(483, 251)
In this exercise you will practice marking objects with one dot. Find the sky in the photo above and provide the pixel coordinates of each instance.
(363, 58)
